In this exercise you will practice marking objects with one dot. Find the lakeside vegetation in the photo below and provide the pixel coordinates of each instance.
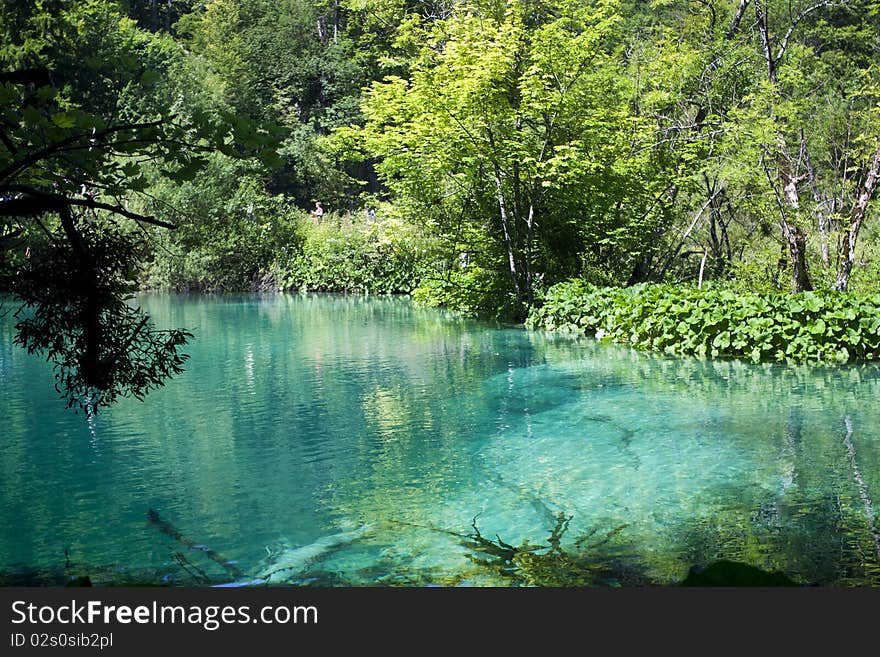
(810, 326)
(292, 253)
(473, 153)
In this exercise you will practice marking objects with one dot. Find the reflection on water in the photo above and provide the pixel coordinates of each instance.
(327, 439)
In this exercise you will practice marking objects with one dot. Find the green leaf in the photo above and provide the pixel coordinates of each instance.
(63, 120)
(32, 116)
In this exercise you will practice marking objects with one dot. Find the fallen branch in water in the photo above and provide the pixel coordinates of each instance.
(199, 575)
(170, 530)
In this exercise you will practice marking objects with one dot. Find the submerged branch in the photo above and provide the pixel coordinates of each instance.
(170, 530)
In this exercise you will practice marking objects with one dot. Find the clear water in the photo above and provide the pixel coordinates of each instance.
(331, 440)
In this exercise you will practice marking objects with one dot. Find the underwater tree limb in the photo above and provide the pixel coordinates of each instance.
(199, 575)
(170, 530)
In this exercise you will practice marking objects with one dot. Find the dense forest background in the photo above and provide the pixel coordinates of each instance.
(474, 153)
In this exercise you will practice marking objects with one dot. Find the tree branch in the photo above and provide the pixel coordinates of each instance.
(29, 160)
(761, 18)
(737, 19)
(36, 202)
(791, 28)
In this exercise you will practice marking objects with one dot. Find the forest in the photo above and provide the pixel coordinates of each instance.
(694, 176)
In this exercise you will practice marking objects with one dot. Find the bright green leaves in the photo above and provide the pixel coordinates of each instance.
(510, 132)
(817, 327)
(384, 257)
(722, 341)
(63, 120)
(687, 321)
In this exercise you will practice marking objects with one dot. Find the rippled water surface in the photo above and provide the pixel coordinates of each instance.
(332, 440)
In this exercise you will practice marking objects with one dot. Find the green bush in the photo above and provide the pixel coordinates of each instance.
(382, 257)
(232, 259)
(473, 291)
(229, 231)
(810, 326)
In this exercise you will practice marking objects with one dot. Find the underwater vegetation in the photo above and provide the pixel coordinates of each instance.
(830, 547)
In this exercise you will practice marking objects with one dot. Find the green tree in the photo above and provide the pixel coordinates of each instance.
(511, 137)
(76, 145)
(812, 124)
(289, 63)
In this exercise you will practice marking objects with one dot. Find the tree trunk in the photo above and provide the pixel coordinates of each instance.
(90, 361)
(856, 217)
(527, 264)
(154, 15)
(168, 10)
(505, 225)
(793, 236)
(797, 251)
(795, 239)
(702, 269)
(764, 33)
(737, 19)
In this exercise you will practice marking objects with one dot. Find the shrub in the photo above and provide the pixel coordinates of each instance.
(383, 257)
(811, 326)
(229, 231)
(232, 258)
(472, 291)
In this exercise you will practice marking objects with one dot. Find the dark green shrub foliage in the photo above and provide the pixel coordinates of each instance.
(810, 326)
(472, 291)
(229, 231)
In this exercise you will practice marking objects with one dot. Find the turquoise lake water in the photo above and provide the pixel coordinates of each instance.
(345, 440)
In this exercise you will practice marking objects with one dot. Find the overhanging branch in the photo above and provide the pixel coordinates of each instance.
(34, 202)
